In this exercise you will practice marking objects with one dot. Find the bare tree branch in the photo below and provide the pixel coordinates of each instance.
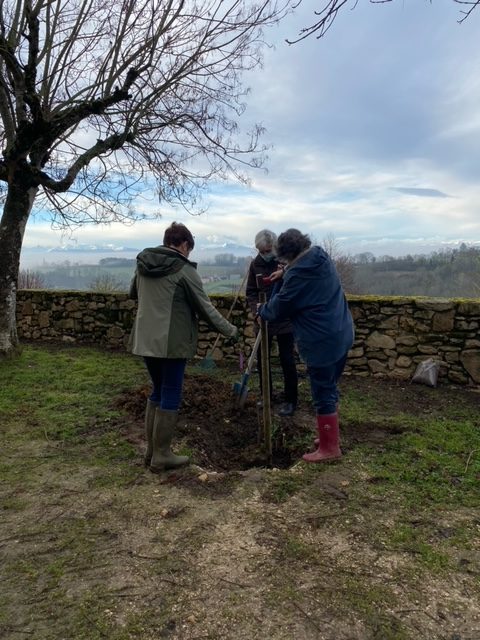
(96, 98)
(466, 14)
(159, 77)
(330, 9)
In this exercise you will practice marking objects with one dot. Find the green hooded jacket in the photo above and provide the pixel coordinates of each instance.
(171, 300)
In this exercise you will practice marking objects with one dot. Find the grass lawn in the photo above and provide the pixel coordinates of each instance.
(382, 545)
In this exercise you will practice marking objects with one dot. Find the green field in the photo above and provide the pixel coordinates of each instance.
(99, 277)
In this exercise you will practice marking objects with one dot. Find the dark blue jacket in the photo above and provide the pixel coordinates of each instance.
(312, 297)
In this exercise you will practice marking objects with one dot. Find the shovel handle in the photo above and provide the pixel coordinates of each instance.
(251, 357)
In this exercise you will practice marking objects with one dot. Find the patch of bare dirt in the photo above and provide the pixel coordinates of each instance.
(232, 550)
(223, 438)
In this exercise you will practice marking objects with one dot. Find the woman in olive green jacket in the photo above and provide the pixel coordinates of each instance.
(171, 300)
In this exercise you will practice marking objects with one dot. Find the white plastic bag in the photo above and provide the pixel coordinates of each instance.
(427, 372)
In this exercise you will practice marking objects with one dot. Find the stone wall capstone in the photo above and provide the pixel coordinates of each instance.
(392, 335)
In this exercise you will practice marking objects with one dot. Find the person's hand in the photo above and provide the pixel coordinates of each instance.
(276, 275)
(258, 318)
(233, 340)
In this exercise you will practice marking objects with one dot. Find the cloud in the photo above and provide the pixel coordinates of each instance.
(389, 97)
(423, 193)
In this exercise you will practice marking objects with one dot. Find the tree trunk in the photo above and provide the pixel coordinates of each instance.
(17, 208)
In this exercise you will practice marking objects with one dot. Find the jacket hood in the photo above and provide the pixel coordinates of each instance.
(313, 263)
(158, 262)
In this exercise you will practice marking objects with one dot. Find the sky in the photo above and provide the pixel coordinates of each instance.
(374, 133)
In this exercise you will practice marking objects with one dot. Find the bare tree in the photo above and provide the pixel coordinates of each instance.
(343, 262)
(28, 279)
(326, 14)
(97, 96)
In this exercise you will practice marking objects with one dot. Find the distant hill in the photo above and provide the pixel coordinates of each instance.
(80, 248)
(205, 250)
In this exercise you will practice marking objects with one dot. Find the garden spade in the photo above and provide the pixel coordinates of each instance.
(240, 389)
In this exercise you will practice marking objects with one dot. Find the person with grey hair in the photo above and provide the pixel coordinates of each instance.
(311, 296)
(264, 264)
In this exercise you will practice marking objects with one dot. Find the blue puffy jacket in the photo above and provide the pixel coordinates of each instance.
(312, 297)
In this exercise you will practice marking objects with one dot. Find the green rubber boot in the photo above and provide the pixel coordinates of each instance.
(163, 429)
(149, 420)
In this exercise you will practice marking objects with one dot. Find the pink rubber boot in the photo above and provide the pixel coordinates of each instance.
(316, 442)
(328, 440)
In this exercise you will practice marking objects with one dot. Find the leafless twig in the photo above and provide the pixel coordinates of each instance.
(312, 622)
(469, 458)
(236, 584)
(429, 615)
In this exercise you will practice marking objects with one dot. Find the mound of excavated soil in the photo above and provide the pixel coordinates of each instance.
(221, 437)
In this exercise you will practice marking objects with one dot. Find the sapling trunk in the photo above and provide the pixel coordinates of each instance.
(266, 392)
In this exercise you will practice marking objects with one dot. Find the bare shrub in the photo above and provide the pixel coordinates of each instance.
(107, 283)
(28, 279)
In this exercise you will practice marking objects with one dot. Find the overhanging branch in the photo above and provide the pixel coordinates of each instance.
(102, 147)
(68, 118)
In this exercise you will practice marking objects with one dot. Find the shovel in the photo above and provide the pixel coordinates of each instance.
(240, 389)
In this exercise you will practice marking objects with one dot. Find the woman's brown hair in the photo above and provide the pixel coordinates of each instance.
(176, 234)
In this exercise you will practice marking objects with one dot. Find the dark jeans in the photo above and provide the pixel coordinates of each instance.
(323, 383)
(287, 361)
(167, 379)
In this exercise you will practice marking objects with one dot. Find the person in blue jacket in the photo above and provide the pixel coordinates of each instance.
(311, 295)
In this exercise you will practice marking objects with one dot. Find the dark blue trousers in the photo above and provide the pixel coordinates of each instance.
(167, 379)
(323, 383)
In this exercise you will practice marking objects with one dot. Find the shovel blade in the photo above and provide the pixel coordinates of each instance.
(237, 389)
(243, 398)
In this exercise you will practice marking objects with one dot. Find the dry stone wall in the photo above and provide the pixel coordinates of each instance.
(392, 334)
